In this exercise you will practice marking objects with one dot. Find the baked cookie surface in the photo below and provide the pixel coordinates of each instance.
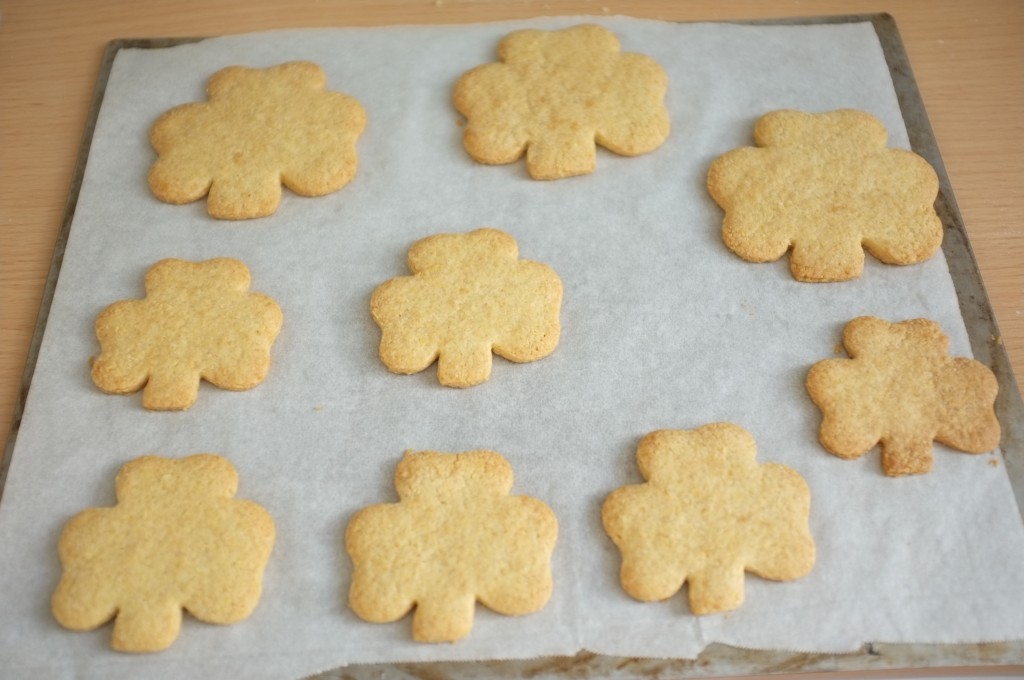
(557, 93)
(826, 186)
(261, 128)
(456, 537)
(469, 295)
(177, 539)
(197, 321)
(707, 513)
(901, 388)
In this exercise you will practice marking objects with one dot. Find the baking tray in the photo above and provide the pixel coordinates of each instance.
(717, 659)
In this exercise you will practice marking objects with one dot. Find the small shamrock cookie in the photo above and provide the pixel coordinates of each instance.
(901, 388)
(469, 295)
(826, 186)
(456, 537)
(707, 513)
(556, 93)
(198, 321)
(261, 128)
(177, 539)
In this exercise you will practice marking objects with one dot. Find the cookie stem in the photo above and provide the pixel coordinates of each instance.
(170, 391)
(906, 456)
(716, 589)
(464, 364)
(146, 627)
(561, 155)
(440, 619)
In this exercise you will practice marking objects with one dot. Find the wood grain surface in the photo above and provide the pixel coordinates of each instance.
(968, 59)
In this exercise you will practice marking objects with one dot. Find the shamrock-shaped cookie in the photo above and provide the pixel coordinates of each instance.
(177, 539)
(556, 93)
(469, 295)
(198, 321)
(901, 388)
(707, 513)
(261, 128)
(826, 186)
(455, 537)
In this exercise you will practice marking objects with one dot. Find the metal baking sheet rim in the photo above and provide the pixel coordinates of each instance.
(717, 659)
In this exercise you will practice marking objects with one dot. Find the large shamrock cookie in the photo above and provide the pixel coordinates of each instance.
(261, 128)
(198, 321)
(900, 387)
(556, 93)
(469, 295)
(455, 537)
(176, 539)
(707, 513)
(826, 186)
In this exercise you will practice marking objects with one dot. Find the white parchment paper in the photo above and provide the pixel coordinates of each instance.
(662, 328)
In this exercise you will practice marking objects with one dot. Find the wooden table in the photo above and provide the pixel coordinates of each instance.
(968, 59)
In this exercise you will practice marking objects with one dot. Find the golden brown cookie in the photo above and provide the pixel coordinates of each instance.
(557, 93)
(456, 537)
(826, 186)
(707, 513)
(198, 321)
(901, 388)
(469, 295)
(260, 129)
(177, 539)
